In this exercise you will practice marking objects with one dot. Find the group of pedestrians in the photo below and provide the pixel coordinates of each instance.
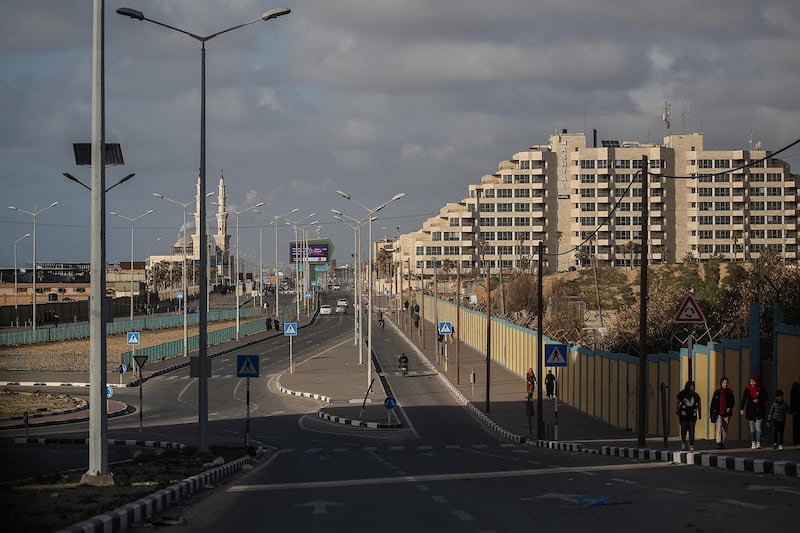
(753, 407)
(549, 384)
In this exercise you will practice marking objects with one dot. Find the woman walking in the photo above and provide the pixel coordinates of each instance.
(688, 411)
(754, 408)
(720, 411)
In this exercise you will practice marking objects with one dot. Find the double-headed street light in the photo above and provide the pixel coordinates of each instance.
(237, 213)
(275, 219)
(371, 212)
(185, 298)
(298, 251)
(133, 223)
(203, 318)
(34, 214)
(16, 313)
(79, 182)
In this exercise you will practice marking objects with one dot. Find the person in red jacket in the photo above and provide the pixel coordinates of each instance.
(720, 411)
(754, 408)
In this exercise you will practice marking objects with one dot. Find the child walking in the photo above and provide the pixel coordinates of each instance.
(777, 416)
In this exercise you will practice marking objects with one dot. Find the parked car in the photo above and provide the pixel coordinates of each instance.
(341, 309)
(325, 309)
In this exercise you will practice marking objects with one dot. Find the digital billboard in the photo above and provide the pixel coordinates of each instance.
(318, 251)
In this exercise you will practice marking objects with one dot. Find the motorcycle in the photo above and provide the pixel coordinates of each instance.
(404, 364)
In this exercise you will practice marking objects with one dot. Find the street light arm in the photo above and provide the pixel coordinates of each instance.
(267, 15)
(76, 180)
(123, 180)
(138, 15)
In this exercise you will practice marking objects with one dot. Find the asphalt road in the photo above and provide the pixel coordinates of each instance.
(444, 471)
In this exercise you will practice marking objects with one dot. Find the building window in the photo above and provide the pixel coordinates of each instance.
(774, 191)
(522, 236)
(705, 220)
(455, 221)
(420, 250)
(588, 178)
(705, 163)
(722, 163)
(722, 234)
(504, 236)
(774, 177)
(588, 207)
(622, 235)
(756, 178)
(504, 193)
(452, 236)
(436, 236)
(602, 163)
(722, 220)
(587, 163)
(722, 191)
(774, 206)
(722, 178)
(722, 206)
(705, 234)
(504, 208)
(507, 178)
(452, 250)
(486, 221)
(486, 236)
(705, 191)
(522, 208)
(587, 221)
(504, 221)
(622, 163)
(623, 221)
(774, 219)
(433, 250)
(587, 193)
(774, 234)
(505, 250)
(522, 178)
(522, 193)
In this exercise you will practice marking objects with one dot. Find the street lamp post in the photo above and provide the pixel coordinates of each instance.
(203, 318)
(34, 214)
(132, 220)
(357, 329)
(16, 312)
(275, 219)
(184, 287)
(297, 251)
(237, 213)
(370, 212)
(150, 271)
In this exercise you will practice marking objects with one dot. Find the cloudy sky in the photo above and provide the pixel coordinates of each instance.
(370, 97)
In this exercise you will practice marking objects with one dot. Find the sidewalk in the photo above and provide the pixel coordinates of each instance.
(330, 378)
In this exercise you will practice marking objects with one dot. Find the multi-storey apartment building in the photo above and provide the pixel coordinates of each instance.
(585, 203)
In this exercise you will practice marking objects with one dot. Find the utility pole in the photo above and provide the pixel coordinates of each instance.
(642, 380)
(540, 342)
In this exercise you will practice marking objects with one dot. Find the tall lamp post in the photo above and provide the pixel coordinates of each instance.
(185, 298)
(338, 215)
(132, 220)
(16, 312)
(150, 269)
(34, 214)
(237, 213)
(297, 252)
(203, 318)
(370, 212)
(275, 219)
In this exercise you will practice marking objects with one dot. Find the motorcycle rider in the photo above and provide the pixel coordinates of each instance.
(403, 362)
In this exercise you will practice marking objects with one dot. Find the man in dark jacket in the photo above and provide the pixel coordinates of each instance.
(721, 409)
(688, 411)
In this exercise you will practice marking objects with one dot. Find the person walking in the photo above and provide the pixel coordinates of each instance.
(688, 411)
(777, 418)
(720, 411)
(550, 384)
(530, 382)
(754, 408)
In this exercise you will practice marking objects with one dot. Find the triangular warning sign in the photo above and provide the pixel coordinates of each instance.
(247, 367)
(445, 328)
(289, 330)
(556, 357)
(689, 312)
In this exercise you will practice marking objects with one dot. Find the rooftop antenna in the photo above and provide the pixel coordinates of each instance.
(754, 144)
(684, 112)
(666, 115)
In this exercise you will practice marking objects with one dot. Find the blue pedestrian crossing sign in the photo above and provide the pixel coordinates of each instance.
(390, 402)
(290, 329)
(445, 328)
(555, 355)
(247, 366)
(133, 338)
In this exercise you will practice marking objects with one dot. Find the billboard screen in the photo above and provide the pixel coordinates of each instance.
(318, 251)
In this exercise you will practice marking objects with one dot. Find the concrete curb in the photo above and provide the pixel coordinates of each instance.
(359, 423)
(114, 442)
(143, 509)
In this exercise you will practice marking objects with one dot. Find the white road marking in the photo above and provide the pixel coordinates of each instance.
(462, 515)
(746, 505)
(620, 480)
(183, 390)
(439, 499)
(442, 477)
(674, 491)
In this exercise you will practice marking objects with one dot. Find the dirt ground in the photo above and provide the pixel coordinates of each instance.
(13, 403)
(115, 344)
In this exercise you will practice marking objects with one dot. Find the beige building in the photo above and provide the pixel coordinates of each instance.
(585, 203)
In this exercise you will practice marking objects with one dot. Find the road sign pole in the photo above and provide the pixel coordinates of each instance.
(291, 357)
(445, 356)
(247, 419)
